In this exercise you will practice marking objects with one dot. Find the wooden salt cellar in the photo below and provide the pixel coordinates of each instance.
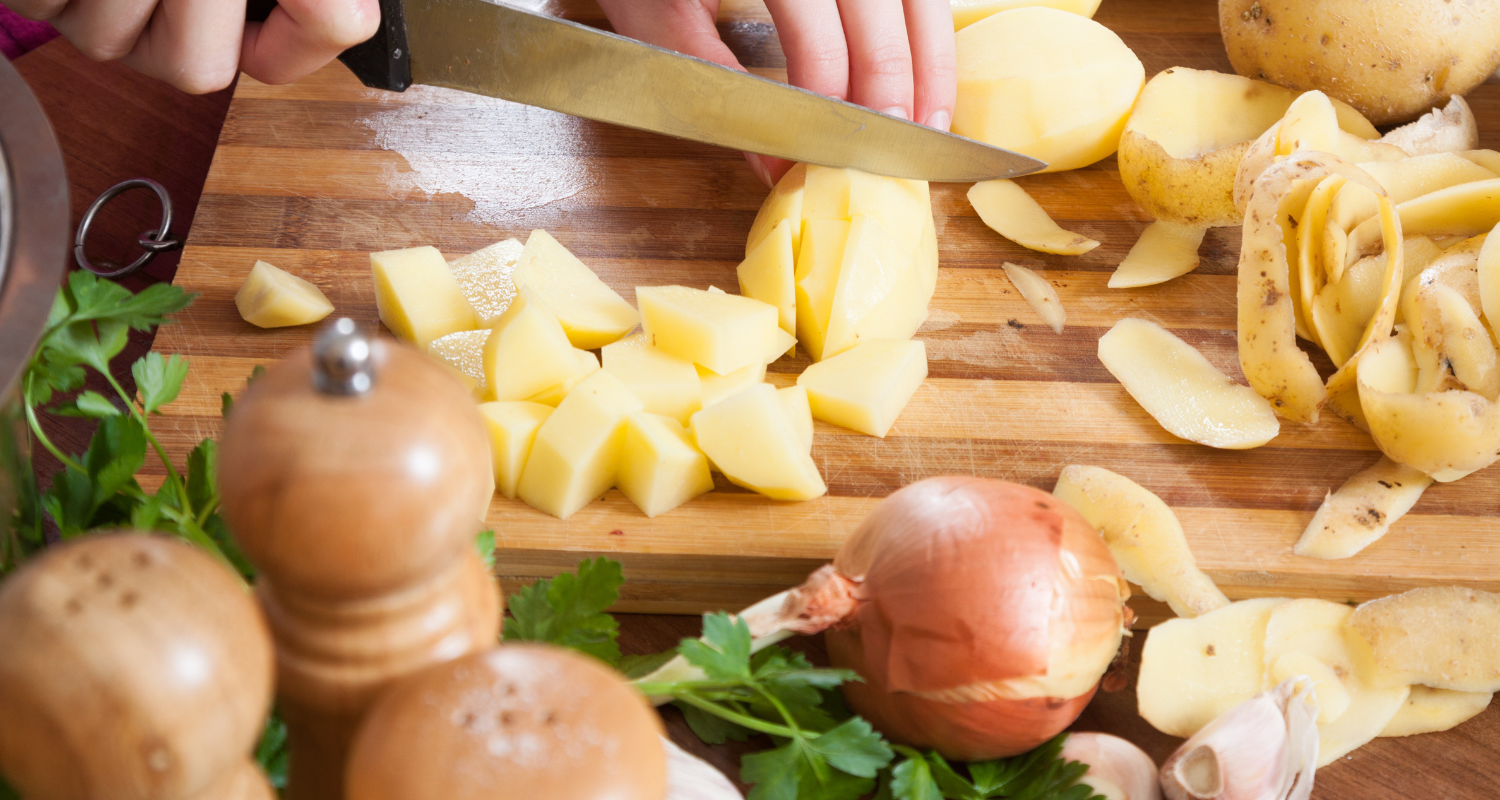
(132, 667)
(355, 475)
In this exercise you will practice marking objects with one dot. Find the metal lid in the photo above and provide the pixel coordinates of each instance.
(34, 222)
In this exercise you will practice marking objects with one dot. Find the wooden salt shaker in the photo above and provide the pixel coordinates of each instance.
(355, 475)
(132, 667)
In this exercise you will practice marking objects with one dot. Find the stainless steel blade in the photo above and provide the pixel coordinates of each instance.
(502, 51)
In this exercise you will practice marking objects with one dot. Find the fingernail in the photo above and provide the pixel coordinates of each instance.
(940, 119)
(898, 112)
(758, 166)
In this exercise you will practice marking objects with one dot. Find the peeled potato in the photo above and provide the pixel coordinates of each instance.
(968, 12)
(1052, 85)
(1391, 63)
(1184, 140)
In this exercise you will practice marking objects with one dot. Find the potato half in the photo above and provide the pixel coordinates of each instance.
(1392, 61)
(1186, 136)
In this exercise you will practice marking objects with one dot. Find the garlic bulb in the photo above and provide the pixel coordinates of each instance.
(691, 778)
(1118, 770)
(1265, 748)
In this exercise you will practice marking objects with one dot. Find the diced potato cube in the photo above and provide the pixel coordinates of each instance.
(751, 439)
(273, 298)
(866, 388)
(783, 203)
(818, 263)
(484, 276)
(668, 385)
(417, 296)
(768, 274)
(660, 468)
(587, 362)
(879, 293)
(800, 410)
(1193, 670)
(720, 331)
(716, 387)
(576, 455)
(512, 426)
(527, 351)
(591, 312)
(464, 352)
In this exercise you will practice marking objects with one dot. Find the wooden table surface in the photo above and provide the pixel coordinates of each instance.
(115, 125)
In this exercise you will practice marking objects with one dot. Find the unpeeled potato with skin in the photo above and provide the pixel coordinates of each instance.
(1392, 61)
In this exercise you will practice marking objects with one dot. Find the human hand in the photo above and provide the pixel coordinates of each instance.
(200, 45)
(895, 56)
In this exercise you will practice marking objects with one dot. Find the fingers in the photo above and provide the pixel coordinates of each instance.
(879, 55)
(301, 36)
(929, 24)
(686, 26)
(103, 30)
(192, 45)
(812, 37)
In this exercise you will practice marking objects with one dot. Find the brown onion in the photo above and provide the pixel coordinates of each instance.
(985, 614)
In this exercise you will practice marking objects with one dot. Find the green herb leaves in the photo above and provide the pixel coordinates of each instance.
(569, 610)
(1041, 774)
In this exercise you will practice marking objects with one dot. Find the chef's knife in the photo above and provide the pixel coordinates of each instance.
(499, 50)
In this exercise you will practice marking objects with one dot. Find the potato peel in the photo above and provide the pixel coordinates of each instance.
(1362, 510)
(1443, 637)
(1037, 292)
(1166, 250)
(1009, 211)
(1462, 210)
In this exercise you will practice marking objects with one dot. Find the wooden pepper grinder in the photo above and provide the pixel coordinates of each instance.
(132, 667)
(354, 475)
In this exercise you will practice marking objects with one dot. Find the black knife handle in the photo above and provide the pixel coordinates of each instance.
(381, 62)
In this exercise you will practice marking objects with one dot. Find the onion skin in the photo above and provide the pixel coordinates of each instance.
(937, 615)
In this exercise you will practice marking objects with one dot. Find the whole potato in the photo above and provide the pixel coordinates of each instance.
(1391, 59)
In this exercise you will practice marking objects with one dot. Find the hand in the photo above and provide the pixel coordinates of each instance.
(200, 45)
(895, 56)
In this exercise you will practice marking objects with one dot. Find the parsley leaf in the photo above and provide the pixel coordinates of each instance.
(88, 404)
(1041, 774)
(912, 780)
(569, 610)
(724, 651)
(158, 379)
(854, 747)
(484, 542)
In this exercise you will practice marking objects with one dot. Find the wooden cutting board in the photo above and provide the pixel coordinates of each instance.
(315, 175)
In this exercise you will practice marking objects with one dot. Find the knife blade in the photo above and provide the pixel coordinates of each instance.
(494, 49)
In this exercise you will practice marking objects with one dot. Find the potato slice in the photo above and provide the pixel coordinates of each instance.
(818, 263)
(1024, 74)
(1009, 211)
(576, 455)
(591, 312)
(586, 364)
(1315, 628)
(1488, 277)
(751, 439)
(968, 12)
(1187, 134)
(799, 408)
(768, 274)
(273, 298)
(784, 203)
(879, 292)
(668, 385)
(1039, 294)
(1462, 210)
(527, 351)
(1269, 356)
(1445, 434)
(1362, 510)
(1143, 535)
(1429, 710)
(512, 427)
(1165, 251)
(1446, 637)
(464, 352)
(722, 332)
(1193, 670)
(417, 296)
(1182, 390)
(660, 467)
(1449, 130)
(484, 276)
(716, 387)
(865, 388)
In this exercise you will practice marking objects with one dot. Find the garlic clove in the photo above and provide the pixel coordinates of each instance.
(1266, 748)
(691, 778)
(1118, 770)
